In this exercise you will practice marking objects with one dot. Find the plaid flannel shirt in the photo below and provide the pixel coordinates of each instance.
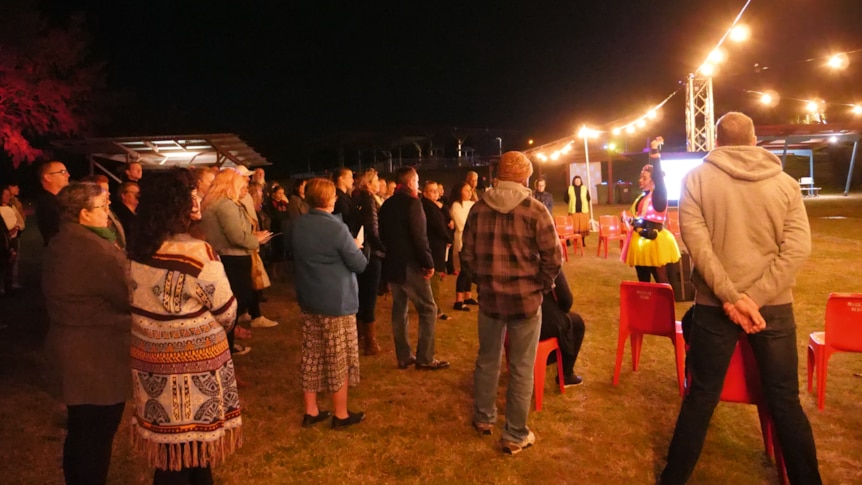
(514, 257)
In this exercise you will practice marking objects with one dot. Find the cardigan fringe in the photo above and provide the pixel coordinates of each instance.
(176, 456)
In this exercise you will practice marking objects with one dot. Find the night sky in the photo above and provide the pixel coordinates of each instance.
(282, 74)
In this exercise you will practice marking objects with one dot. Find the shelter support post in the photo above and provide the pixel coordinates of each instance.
(850, 172)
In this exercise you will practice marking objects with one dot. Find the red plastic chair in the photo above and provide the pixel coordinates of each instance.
(742, 385)
(648, 308)
(609, 230)
(843, 333)
(541, 366)
(566, 232)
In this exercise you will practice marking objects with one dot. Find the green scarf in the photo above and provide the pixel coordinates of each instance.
(102, 232)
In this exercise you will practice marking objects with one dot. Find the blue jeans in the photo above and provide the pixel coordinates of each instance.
(713, 338)
(418, 290)
(523, 340)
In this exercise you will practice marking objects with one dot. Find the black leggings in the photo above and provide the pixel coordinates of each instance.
(465, 280)
(89, 439)
(186, 476)
(369, 282)
(238, 271)
(659, 273)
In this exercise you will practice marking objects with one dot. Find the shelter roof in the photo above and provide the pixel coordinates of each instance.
(806, 137)
(221, 149)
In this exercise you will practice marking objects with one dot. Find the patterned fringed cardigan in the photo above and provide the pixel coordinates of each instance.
(187, 411)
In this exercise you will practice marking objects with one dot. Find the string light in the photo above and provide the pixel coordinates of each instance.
(740, 33)
(856, 109)
(838, 61)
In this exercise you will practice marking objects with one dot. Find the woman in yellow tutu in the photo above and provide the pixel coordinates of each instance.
(650, 247)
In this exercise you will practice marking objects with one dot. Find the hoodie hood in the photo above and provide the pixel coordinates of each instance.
(745, 162)
(505, 196)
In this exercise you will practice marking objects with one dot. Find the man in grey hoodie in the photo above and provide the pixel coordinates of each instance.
(512, 249)
(745, 226)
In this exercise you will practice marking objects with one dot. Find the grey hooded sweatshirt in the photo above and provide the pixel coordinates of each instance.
(743, 222)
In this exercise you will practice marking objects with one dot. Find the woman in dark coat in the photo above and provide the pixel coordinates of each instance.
(365, 200)
(567, 326)
(85, 283)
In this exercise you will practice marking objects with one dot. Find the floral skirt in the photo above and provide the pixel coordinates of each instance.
(330, 352)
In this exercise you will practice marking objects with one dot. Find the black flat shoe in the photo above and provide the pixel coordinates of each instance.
(471, 301)
(461, 307)
(309, 420)
(351, 419)
(433, 365)
(403, 364)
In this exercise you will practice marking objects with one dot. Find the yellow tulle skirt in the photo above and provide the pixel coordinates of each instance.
(640, 251)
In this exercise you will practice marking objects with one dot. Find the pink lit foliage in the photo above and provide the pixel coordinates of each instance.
(46, 80)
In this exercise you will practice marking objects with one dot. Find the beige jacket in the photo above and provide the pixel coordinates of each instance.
(745, 226)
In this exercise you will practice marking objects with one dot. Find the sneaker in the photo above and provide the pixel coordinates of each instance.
(471, 301)
(309, 420)
(513, 448)
(444, 317)
(351, 419)
(461, 307)
(433, 365)
(403, 364)
(244, 318)
(571, 381)
(484, 429)
(239, 349)
(263, 322)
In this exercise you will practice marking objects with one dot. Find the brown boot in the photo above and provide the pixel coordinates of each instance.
(371, 346)
(360, 333)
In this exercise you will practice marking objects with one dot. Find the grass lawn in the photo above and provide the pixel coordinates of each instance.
(418, 426)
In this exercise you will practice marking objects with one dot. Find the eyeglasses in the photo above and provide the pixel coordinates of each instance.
(63, 172)
(103, 206)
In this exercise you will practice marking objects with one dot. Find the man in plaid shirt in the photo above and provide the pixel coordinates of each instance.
(512, 249)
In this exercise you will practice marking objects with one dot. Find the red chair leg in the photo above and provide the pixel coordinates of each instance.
(621, 346)
(637, 340)
(560, 372)
(811, 366)
(539, 381)
(679, 350)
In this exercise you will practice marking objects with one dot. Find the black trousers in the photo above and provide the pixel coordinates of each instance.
(369, 282)
(186, 476)
(89, 439)
(238, 271)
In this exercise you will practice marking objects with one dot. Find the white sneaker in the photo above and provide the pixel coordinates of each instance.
(514, 448)
(244, 318)
(263, 322)
(240, 349)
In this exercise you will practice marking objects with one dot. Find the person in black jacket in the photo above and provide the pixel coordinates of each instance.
(53, 176)
(343, 179)
(567, 326)
(367, 208)
(408, 267)
(439, 238)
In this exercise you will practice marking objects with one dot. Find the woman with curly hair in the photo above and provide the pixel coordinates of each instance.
(187, 411)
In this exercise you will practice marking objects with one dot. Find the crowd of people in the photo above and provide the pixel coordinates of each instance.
(179, 259)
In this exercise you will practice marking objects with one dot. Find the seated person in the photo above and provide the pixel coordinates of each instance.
(566, 326)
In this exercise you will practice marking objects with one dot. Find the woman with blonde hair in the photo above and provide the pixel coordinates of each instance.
(327, 258)
(229, 229)
(367, 204)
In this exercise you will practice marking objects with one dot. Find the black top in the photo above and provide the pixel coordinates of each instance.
(47, 215)
(344, 206)
(403, 229)
(438, 233)
(127, 218)
(366, 211)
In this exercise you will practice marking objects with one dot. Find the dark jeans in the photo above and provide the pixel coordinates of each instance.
(89, 439)
(238, 271)
(464, 281)
(712, 340)
(369, 282)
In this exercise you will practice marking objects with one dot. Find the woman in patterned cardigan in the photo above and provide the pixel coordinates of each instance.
(187, 411)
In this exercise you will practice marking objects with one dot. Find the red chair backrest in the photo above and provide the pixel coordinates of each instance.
(564, 224)
(844, 321)
(742, 381)
(647, 308)
(609, 225)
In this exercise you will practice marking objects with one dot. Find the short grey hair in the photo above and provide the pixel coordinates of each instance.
(76, 196)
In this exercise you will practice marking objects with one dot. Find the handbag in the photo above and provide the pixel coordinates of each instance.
(259, 278)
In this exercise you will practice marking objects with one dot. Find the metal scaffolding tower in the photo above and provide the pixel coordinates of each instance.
(699, 114)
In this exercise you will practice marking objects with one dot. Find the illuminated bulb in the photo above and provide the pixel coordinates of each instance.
(567, 149)
(530, 141)
(838, 61)
(630, 129)
(740, 33)
(616, 131)
(612, 146)
(833, 139)
(555, 156)
(651, 114)
(856, 110)
(707, 69)
(641, 123)
(812, 107)
(766, 99)
(716, 57)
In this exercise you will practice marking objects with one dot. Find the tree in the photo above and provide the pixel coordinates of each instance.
(47, 80)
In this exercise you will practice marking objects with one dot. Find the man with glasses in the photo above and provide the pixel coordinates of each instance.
(53, 176)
